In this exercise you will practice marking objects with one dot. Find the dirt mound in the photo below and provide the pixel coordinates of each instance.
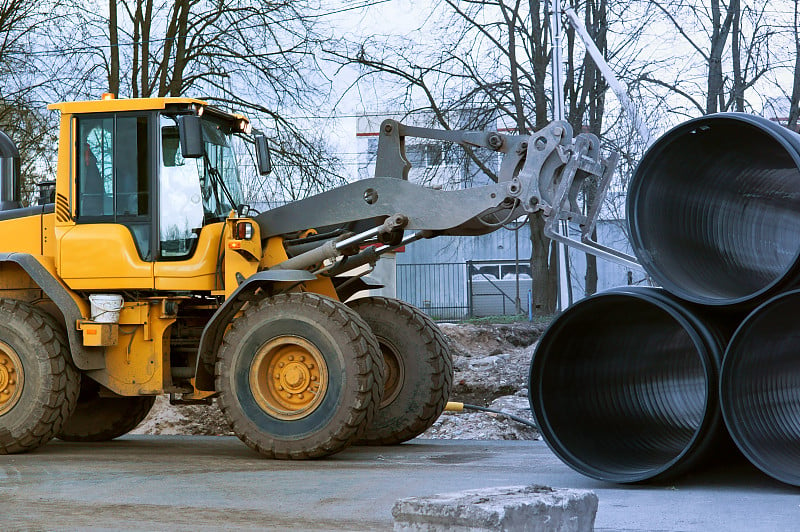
(491, 364)
(201, 420)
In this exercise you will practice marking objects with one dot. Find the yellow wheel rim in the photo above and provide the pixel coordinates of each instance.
(394, 373)
(12, 378)
(288, 378)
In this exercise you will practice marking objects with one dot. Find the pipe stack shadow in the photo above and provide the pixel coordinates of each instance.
(642, 384)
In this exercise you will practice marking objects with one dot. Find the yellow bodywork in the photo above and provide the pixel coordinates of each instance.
(91, 258)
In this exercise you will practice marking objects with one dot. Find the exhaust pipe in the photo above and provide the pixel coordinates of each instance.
(714, 209)
(623, 385)
(760, 388)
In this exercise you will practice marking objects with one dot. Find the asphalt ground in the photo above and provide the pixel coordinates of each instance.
(214, 483)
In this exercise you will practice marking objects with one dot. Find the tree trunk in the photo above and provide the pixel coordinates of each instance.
(113, 41)
(794, 102)
(544, 268)
(736, 53)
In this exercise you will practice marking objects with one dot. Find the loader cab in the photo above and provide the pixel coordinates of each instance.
(139, 204)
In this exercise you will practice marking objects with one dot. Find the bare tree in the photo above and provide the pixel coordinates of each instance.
(794, 99)
(20, 117)
(490, 67)
(729, 40)
(255, 57)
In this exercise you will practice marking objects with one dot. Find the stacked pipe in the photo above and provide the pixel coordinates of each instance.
(641, 384)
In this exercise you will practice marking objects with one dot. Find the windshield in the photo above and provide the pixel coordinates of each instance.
(191, 194)
(219, 164)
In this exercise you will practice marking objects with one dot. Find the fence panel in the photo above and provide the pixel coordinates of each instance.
(445, 292)
(439, 290)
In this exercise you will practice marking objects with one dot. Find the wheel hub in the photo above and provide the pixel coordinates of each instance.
(11, 378)
(288, 377)
(395, 373)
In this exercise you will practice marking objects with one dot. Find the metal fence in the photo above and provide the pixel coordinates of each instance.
(439, 290)
(462, 290)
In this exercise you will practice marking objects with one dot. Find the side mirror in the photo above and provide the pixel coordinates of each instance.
(190, 131)
(263, 159)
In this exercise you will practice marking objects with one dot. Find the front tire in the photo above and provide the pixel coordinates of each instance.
(299, 376)
(99, 418)
(419, 370)
(38, 384)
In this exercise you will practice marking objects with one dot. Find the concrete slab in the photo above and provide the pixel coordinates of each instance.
(511, 509)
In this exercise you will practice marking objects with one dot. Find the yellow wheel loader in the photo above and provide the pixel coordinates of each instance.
(141, 272)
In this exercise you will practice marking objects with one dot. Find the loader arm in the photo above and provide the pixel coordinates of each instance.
(540, 172)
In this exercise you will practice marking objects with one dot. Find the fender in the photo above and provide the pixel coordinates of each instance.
(83, 357)
(214, 330)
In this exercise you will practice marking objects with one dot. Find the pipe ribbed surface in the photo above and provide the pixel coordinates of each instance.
(760, 388)
(714, 209)
(623, 386)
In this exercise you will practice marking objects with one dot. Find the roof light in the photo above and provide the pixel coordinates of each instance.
(108, 96)
(199, 109)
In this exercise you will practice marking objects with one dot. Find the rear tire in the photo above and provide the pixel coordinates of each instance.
(38, 384)
(299, 376)
(419, 370)
(99, 418)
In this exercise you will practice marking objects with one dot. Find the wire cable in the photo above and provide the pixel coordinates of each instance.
(456, 407)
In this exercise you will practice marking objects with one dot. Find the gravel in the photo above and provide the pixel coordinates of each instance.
(491, 364)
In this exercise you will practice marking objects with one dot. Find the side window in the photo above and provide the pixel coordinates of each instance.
(132, 173)
(114, 175)
(95, 166)
(180, 196)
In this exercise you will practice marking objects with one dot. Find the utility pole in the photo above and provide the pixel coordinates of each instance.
(557, 75)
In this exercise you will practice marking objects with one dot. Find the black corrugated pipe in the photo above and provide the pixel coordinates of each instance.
(760, 388)
(714, 209)
(9, 174)
(624, 385)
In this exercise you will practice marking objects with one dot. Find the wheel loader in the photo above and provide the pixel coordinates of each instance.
(141, 271)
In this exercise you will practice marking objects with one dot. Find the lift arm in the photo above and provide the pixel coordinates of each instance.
(543, 172)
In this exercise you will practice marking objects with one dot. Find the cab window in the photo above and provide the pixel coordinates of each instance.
(113, 174)
(180, 196)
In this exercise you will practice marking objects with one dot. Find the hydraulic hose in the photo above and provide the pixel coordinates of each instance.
(760, 388)
(623, 385)
(714, 210)
(454, 406)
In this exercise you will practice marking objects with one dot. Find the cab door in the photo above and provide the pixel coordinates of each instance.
(111, 244)
(188, 241)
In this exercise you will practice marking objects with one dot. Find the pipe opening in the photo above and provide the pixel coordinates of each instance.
(620, 388)
(760, 388)
(714, 208)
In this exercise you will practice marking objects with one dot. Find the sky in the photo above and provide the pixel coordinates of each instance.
(404, 18)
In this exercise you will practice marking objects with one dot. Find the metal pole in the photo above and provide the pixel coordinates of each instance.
(558, 114)
(557, 74)
(618, 87)
(517, 310)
